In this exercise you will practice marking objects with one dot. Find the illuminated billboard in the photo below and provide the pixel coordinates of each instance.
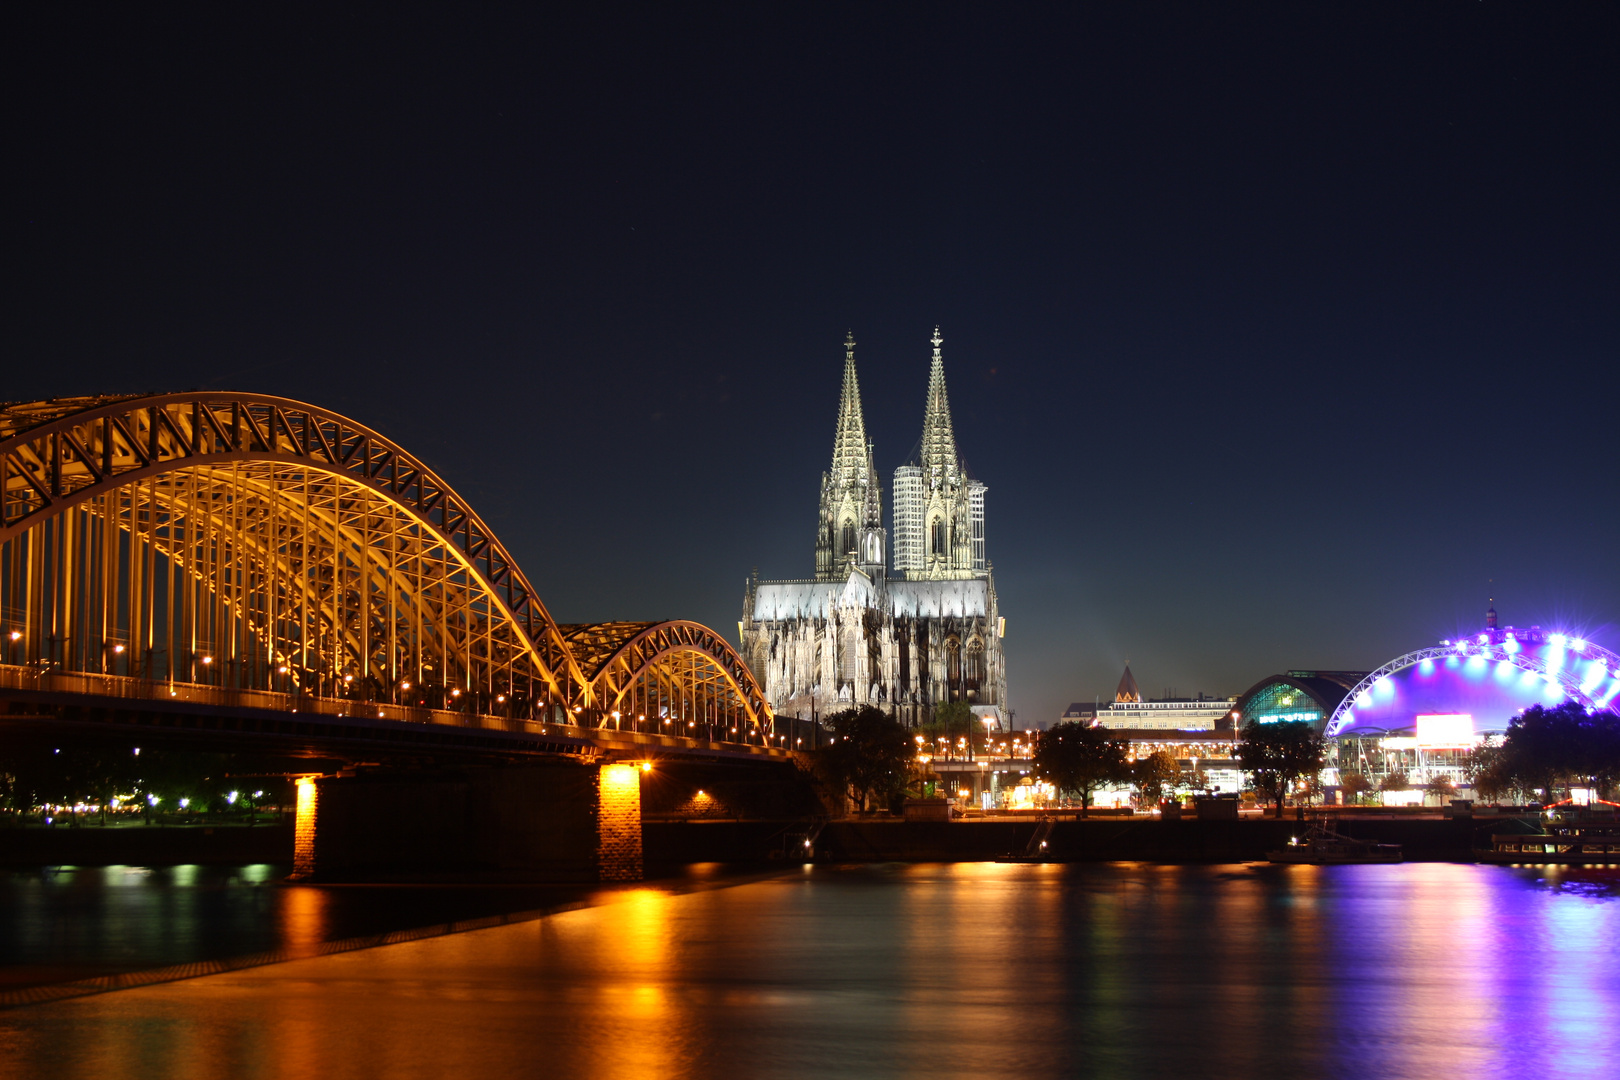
(1445, 731)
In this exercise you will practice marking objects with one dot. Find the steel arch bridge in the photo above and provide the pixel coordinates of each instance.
(248, 549)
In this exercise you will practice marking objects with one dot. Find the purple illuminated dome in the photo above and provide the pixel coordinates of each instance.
(1487, 679)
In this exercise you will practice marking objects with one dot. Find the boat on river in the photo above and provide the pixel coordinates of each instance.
(1322, 845)
(1569, 833)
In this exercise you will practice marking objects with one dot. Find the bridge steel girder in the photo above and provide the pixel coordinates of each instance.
(49, 464)
(615, 656)
(254, 723)
(308, 510)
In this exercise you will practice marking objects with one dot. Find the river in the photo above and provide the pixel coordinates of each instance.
(937, 970)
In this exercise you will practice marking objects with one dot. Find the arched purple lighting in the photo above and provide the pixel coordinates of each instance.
(1491, 677)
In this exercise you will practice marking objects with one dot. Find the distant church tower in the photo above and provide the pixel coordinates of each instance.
(851, 528)
(938, 508)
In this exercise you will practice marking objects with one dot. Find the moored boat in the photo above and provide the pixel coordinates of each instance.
(1570, 833)
(1323, 846)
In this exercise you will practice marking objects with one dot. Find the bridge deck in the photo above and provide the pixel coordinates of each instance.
(303, 724)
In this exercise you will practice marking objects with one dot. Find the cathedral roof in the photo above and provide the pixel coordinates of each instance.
(1127, 687)
(967, 598)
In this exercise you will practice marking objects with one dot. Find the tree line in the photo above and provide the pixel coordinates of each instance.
(1545, 752)
(875, 760)
(94, 771)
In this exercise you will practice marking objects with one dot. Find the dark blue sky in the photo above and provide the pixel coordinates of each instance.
(1278, 332)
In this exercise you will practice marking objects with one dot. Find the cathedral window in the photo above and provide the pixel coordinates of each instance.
(938, 538)
(902, 641)
(953, 667)
(849, 537)
(975, 665)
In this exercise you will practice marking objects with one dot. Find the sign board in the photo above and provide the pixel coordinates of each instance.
(1445, 731)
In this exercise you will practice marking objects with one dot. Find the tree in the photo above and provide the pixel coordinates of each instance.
(1395, 781)
(955, 721)
(1485, 769)
(1277, 755)
(1354, 785)
(1440, 788)
(1154, 774)
(869, 754)
(1078, 759)
(1565, 745)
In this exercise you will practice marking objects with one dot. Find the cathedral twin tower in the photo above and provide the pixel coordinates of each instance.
(938, 508)
(906, 636)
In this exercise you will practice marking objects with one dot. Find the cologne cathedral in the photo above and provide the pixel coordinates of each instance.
(904, 626)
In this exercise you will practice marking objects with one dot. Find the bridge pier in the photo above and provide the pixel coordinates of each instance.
(618, 823)
(563, 822)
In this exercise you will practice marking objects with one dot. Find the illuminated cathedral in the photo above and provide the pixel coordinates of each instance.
(905, 633)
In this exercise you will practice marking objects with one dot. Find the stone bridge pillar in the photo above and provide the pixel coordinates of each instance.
(618, 822)
(304, 829)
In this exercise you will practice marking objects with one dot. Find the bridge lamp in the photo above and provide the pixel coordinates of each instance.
(500, 697)
(348, 678)
(15, 634)
(455, 693)
(404, 686)
(208, 659)
(118, 648)
(646, 766)
(282, 670)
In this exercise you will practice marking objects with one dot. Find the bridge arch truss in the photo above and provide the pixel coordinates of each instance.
(258, 543)
(673, 678)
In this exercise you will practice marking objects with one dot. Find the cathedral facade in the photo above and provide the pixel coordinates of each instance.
(905, 630)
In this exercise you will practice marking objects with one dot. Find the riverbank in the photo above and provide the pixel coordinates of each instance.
(669, 844)
(1108, 839)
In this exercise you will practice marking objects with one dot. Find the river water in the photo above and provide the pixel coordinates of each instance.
(965, 970)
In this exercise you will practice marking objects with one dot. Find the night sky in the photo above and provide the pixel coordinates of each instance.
(1282, 335)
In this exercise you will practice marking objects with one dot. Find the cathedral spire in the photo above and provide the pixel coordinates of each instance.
(938, 452)
(851, 531)
(851, 454)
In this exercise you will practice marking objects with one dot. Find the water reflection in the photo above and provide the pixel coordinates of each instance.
(911, 971)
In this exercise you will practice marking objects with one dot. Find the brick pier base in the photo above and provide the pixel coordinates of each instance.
(618, 823)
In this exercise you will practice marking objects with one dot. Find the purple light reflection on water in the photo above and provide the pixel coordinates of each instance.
(981, 969)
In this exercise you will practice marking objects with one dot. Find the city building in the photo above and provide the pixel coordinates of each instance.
(1196, 731)
(1416, 717)
(905, 636)
(1308, 696)
(1132, 712)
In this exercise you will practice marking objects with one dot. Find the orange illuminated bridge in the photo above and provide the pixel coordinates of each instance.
(254, 569)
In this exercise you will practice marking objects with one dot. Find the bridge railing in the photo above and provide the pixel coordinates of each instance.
(602, 729)
(46, 680)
